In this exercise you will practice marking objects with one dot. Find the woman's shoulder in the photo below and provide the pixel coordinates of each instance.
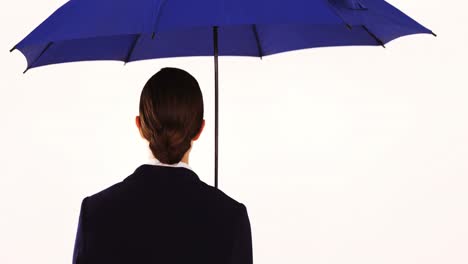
(220, 197)
(127, 192)
(105, 197)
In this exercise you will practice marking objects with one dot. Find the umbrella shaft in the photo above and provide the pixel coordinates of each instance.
(215, 46)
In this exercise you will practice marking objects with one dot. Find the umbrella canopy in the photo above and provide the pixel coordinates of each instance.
(128, 30)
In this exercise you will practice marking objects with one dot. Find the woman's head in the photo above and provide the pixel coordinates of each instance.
(171, 114)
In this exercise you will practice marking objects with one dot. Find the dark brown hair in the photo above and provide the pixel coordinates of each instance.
(171, 113)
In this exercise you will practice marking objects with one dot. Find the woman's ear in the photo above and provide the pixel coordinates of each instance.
(138, 124)
(201, 129)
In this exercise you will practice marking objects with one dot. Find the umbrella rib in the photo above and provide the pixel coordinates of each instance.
(158, 14)
(132, 48)
(257, 39)
(373, 36)
(337, 13)
(38, 57)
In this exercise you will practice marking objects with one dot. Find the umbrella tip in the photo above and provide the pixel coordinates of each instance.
(433, 34)
(12, 49)
(25, 70)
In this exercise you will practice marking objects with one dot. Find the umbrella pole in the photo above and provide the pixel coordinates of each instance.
(215, 45)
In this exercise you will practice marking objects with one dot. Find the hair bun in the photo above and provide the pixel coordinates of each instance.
(169, 145)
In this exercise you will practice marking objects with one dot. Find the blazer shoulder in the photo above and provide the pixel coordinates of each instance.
(108, 192)
(221, 197)
(105, 197)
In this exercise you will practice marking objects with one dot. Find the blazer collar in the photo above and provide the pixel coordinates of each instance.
(165, 173)
(154, 161)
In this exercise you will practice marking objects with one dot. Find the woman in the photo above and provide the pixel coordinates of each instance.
(162, 212)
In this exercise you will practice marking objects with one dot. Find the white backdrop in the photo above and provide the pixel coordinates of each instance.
(341, 155)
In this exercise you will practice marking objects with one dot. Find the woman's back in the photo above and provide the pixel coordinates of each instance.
(162, 214)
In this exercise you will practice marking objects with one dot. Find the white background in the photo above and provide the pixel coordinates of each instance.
(341, 155)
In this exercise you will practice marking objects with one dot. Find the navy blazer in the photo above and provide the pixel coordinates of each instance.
(162, 214)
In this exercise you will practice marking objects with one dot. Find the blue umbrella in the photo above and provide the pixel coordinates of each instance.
(125, 30)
